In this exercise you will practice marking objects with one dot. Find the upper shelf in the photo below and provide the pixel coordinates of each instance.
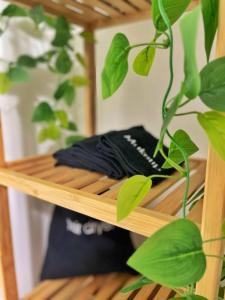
(94, 14)
(95, 195)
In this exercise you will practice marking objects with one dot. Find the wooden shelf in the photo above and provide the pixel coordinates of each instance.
(95, 14)
(98, 287)
(95, 195)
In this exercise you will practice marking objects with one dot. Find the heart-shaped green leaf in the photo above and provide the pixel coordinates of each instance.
(116, 65)
(183, 139)
(17, 74)
(52, 132)
(5, 83)
(62, 116)
(65, 91)
(37, 14)
(63, 62)
(43, 113)
(143, 61)
(173, 8)
(13, 10)
(131, 194)
(189, 27)
(210, 10)
(27, 61)
(213, 84)
(173, 256)
(214, 125)
(189, 297)
(63, 34)
(137, 285)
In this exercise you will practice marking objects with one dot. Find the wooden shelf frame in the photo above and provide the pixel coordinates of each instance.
(97, 14)
(94, 194)
(91, 193)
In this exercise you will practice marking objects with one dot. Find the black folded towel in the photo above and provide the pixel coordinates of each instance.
(116, 154)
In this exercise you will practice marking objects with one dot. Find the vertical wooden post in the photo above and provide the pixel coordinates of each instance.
(7, 266)
(90, 96)
(214, 202)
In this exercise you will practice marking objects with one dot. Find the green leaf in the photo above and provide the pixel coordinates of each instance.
(80, 80)
(13, 10)
(136, 285)
(27, 61)
(52, 132)
(183, 139)
(70, 140)
(131, 194)
(143, 61)
(17, 74)
(88, 36)
(71, 126)
(213, 84)
(116, 65)
(43, 113)
(65, 91)
(63, 62)
(37, 14)
(173, 8)
(50, 21)
(214, 125)
(63, 34)
(210, 10)
(189, 28)
(189, 297)
(81, 59)
(5, 83)
(61, 115)
(61, 90)
(173, 256)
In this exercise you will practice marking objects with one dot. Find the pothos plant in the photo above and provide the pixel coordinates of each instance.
(61, 59)
(174, 255)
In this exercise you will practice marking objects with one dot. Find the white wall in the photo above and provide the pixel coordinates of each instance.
(137, 102)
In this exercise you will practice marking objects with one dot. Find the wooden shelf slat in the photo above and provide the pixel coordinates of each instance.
(142, 221)
(95, 194)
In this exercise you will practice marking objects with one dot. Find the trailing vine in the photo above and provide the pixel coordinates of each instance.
(52, 115)
(174, 255)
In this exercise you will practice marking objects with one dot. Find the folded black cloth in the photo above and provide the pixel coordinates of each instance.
(116, 154)
(81, 245)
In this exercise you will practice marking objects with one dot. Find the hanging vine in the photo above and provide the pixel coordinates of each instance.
(174, 255)
(53, 115)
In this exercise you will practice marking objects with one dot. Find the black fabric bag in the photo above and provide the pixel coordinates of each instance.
(80, 245)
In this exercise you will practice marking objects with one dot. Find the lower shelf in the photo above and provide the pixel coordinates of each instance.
(98, 287)
(95, 195)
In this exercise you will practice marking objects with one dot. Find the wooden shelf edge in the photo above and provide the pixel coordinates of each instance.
(142, 221)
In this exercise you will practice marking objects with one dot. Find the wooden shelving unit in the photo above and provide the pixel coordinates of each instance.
(94, 194)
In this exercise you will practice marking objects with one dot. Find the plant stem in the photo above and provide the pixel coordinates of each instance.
(187, 113)
(187, 173)
(152, 44)
(185, 103)
(170, 36)
(214, 240)
(172, 163)
(163, 176)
